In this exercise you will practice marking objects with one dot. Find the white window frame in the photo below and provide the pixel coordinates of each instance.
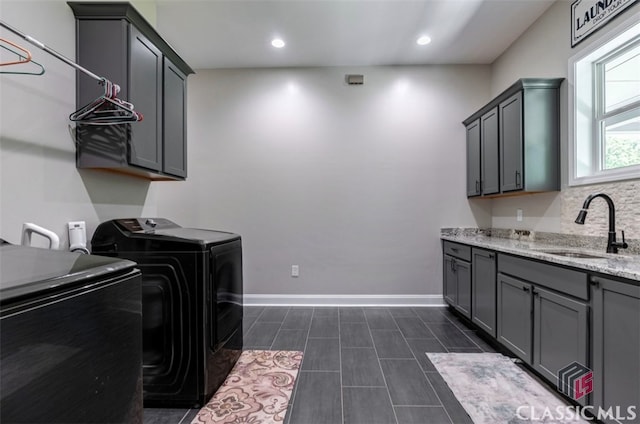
(584, 143)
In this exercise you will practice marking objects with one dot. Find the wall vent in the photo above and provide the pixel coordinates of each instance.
(354, 79)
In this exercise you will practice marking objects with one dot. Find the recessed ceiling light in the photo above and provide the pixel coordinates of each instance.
(423, 40)
(278, 43)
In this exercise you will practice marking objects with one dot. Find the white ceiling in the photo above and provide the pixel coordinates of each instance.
(237, 33)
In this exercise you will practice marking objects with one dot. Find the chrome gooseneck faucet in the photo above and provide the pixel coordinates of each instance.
(612, 245)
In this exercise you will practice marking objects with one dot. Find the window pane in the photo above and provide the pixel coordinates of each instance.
(622, 79)
(622, 143)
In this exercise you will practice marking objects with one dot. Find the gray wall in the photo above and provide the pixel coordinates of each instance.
(351, 183)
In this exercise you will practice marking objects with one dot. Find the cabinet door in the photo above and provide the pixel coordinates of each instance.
(616, 346)
(174, 120)
(514, 316)
(490, 169)
(450, 281)
(483, 285)
(559, 333)
(473, 159)
(145, 145)
(511, 142)
(463, 276)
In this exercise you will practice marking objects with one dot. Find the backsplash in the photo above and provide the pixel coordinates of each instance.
(558, 239)
(626, 197)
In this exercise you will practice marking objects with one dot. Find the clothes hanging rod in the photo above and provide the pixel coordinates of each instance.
(51, 51)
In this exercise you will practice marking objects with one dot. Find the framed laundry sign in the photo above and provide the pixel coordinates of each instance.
(588, 16)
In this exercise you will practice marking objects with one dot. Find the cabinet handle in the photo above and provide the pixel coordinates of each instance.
(454, 249)
(525, 288)
(595, 283)
(518, 179)
(477, 186)
(491, 256)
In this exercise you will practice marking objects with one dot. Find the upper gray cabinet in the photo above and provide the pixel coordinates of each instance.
(490, 182)
(518, 140)
(473, 159)
(116, 42)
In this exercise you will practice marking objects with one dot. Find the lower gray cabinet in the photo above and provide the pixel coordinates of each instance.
(514, 316)
(463, 273)
(450, 281)
(547, 328)
(559, 333)
(457, 284)
(549, 317)
(483, 290)
(616, 347)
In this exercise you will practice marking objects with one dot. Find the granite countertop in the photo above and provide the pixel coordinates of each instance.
(625, 264)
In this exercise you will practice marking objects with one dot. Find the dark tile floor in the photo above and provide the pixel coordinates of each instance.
(361, 365)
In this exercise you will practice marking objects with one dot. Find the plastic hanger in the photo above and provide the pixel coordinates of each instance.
(106, 109)
(23, 58)
(20, 64)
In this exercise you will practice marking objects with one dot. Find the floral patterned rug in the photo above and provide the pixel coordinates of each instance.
(493, 389)
(256, 391)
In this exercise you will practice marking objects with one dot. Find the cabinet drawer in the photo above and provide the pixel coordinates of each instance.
(574, 283)
(457, 250)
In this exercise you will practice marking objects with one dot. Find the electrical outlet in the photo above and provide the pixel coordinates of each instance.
(519, 215)
(295, 271)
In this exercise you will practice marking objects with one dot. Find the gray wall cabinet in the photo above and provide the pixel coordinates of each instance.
(616, 346)
(473, 159)
(457, 277)
(483, 290)
(174, 120)
(511, 143)
(114, 41)
(490, 169)
(519, 140)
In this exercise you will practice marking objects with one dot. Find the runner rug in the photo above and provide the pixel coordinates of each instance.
(256, 391)
(493, 389)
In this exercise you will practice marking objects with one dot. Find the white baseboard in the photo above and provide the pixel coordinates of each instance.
(342, 300)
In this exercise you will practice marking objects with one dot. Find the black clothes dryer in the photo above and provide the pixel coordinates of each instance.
(191, 304)
(70, 338)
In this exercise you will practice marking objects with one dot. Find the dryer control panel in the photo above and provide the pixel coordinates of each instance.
(146, 225)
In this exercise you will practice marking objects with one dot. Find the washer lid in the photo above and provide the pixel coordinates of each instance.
(199, 236)
(29, 270)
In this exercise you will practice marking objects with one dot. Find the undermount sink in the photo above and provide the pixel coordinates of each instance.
(573, 254)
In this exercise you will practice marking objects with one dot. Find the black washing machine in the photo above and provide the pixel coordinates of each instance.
(191, 304)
